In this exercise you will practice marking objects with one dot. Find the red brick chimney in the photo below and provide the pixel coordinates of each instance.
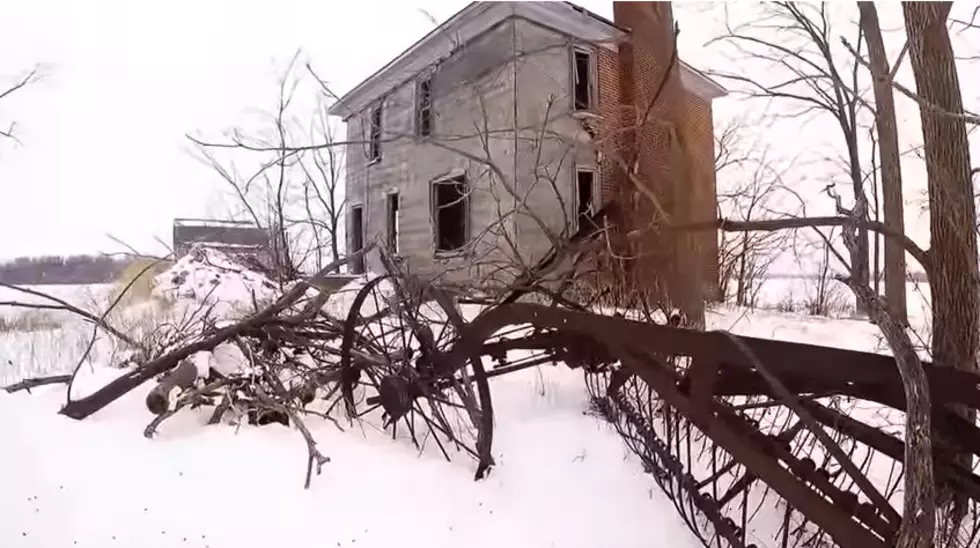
(668, 266)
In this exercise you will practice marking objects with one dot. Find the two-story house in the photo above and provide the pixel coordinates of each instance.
(491, 135)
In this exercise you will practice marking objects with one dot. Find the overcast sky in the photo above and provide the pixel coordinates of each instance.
(103, 148)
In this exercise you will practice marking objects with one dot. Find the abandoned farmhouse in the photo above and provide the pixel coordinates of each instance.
(500, 129)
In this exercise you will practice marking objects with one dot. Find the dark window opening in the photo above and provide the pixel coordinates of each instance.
(450, 197)
(424, 108)
(392, 213)
(584, 182)
(357, 238)
(374, 138)
(582, 70)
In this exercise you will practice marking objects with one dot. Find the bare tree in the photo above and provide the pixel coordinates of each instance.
(890, 161)
(825, 296)
(292, 192)
(954, 277)
(322, 191)
(748, 185)
(951, 263)
(815, 81)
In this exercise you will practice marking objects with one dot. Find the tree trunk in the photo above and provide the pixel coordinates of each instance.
(890, 161)
(953, 272)
(859, 252)
(740, 298)
(334, 240)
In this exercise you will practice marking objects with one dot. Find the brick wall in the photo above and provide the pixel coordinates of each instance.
(702, 144)
(683, 183)
(611, 103)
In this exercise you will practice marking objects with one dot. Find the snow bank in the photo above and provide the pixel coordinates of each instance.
(210, 277)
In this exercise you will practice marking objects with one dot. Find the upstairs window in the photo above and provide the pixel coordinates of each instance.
(374, 134)
(423, 108)
(585, 183)
(582, 76)
(450, 200)
(391, 210)
(357, 238)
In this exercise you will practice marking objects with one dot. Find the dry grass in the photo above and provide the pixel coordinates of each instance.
(29, 322)
(141, 274)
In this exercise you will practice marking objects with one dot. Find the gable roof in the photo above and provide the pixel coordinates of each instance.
(476, 18)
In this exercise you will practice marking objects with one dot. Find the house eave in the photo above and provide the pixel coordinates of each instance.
(340, 107)
(476, 18)
(700, 84)
(469, 22)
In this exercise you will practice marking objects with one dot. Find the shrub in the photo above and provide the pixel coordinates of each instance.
(143, 271)
(786, 304)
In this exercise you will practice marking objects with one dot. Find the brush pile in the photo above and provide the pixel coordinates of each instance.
(256, 353)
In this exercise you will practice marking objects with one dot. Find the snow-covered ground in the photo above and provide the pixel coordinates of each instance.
(563, 478)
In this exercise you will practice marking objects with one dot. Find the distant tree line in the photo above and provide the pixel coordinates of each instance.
(56, 269)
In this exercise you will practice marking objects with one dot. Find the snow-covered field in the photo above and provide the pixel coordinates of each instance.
(781, 293)
(563, 478)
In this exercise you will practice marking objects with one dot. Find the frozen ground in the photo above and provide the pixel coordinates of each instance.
(562, 479)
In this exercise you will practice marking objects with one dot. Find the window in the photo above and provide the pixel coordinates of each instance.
(585, 182)
(450, 199)
(423, 108)
(357, 238)
(582, 79)
(374, 136)
(391, 212)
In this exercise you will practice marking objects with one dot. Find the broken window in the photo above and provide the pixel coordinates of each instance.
(391, 208)
(357, 238)
(374, 136)
(423, 108)
(582, 75)
(585, 180)
(450, 208)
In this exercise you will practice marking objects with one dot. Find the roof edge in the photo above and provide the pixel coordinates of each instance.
(693, 79)
(338, 106)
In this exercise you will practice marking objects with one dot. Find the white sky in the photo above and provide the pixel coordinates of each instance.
(103, 134)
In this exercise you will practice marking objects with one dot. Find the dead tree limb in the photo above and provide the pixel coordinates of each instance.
(28, 384)
(18, 85)
(68, 307)
(83, 407)
(769, 225)
(158, 400)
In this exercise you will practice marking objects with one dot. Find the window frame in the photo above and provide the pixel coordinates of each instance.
(592, 78)
(423, 82)
(593, 187)
(393, 232)
(375, 131)
(434, 211)
(357, 265)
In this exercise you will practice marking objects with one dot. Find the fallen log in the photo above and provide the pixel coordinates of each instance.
(158, 400)
(35, 382)
(83, 407)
